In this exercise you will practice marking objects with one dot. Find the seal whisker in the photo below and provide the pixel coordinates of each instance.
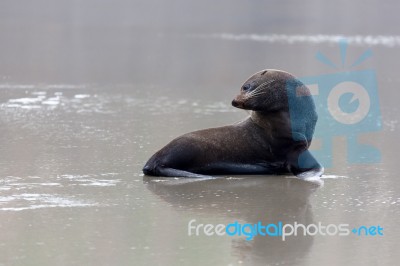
(258, 89)
(265, 83)
(256, 94)
(261, 86)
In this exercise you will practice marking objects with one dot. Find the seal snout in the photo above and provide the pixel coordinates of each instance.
(237, 103)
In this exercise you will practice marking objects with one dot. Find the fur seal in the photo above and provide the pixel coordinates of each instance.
(273, 140)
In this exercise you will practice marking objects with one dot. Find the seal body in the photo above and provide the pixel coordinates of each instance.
(267, 142)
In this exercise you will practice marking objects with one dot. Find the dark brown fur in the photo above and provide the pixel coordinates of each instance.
(268, 142)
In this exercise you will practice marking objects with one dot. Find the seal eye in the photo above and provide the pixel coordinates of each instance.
(246, 87)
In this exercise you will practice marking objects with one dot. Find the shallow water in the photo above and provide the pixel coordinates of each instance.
(87, 97)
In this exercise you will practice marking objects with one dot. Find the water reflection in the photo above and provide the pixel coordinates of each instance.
(247, 200)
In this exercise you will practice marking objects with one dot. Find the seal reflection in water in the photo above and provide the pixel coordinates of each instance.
(268, 142)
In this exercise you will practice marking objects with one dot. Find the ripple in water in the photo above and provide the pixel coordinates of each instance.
(26, 201)
(20, 193)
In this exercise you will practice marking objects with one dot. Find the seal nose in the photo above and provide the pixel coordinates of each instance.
(235, 103)
(238, 103)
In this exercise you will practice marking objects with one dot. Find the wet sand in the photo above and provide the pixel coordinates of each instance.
(88, 92)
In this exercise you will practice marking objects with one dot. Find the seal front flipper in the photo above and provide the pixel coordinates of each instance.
(306, 167)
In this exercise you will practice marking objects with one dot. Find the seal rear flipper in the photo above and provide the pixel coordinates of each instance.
(172, 172)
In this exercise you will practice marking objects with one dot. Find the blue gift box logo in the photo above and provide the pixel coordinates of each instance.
(347, 104)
